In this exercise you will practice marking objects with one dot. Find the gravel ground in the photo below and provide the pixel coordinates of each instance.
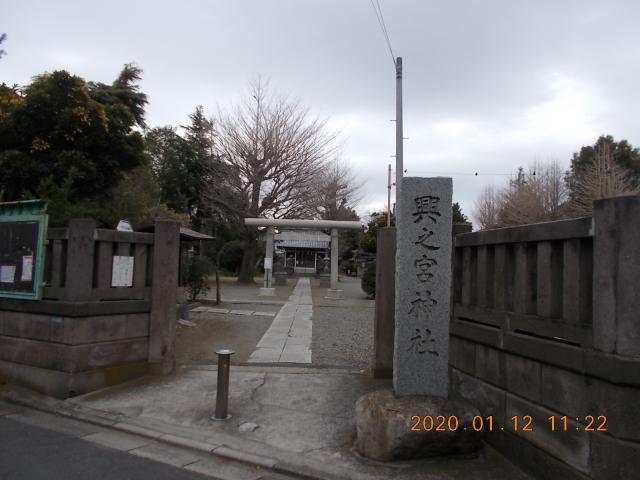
(343, 329)
(342, 337)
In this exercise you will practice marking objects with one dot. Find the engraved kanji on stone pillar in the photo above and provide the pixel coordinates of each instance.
(423, 279)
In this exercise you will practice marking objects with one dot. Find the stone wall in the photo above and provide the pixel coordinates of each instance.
(86, 335)
(545, 323)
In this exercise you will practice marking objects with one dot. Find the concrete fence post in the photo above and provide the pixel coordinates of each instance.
(456, 229)
(616, 275)
(384, 322)
(80, 251)
(162, 321)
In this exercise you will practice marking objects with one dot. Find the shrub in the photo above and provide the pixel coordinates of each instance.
(197, 269)
(230, 257)
(369, 279)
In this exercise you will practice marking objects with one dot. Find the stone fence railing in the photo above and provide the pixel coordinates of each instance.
(546, 322)
(107, 312)
(79, 261)
(534, 280)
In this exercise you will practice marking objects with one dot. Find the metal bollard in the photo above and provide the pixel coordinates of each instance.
(222, 390)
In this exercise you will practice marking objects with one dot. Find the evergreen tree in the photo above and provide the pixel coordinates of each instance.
(458, 216)
(69, 141)
(186, 166)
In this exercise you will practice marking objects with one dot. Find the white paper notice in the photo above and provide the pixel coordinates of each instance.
(122, 273)
(27, 268)
(7, 273)
(268, 263)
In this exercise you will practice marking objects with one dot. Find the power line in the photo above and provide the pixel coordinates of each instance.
(378, 11)
(473, 174)
(384, 28)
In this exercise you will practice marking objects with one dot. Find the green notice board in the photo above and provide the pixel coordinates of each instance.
(23, 232)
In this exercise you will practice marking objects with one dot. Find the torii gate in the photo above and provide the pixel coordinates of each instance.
(334, 225)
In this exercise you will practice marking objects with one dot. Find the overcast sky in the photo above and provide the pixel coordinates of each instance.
(488, 85)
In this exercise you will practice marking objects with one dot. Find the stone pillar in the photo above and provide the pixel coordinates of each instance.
(384, 319)
(423, 280)
(80, 252)
(616, 275)
(333, 291)
(456, 229)
(162, 319)
(268, 289)
(334, 259)
(420, 360)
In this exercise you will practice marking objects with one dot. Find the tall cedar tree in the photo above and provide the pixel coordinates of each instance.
(185, 165)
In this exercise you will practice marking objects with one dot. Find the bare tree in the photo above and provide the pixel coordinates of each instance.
(337, 191)
(3, 37)
(553, 192)
(538, 195)
(273, 149)
(485, 210)
(601, 178)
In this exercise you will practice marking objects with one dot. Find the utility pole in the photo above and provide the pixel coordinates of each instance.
(399, 164)
(389, 197)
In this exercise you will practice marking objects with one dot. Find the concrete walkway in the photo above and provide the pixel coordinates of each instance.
(288, 339)
(297, 421)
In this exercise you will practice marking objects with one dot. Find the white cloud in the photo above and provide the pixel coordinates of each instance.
(570, 114)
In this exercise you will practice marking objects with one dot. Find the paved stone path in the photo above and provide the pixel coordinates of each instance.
(288, 339)
(232, 312)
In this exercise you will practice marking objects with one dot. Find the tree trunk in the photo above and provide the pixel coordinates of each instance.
(248, 265)
(249, 242)
(218, 299)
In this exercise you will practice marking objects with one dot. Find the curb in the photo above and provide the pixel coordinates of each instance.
(26, 398)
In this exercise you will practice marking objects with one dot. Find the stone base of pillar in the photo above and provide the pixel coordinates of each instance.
(325, 280)
(280, 278)
(267, 292)
(383, 423)
(335, 294)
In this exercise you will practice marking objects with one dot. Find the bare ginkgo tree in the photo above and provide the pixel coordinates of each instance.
(603, 177)
(337, 191)
(538, 195)
(272, 149)
(485, 211)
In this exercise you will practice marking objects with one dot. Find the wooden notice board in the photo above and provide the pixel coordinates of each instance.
(23, 232)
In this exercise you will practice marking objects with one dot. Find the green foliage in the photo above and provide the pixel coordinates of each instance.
(368, 281)
(230, 256)
(196, 271)
(185, 165)
(369, 239)
(70, 142)
(137, 198)
(62, 206)
(458, 216)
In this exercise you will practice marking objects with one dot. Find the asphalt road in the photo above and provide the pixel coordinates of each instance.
(32, 453)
